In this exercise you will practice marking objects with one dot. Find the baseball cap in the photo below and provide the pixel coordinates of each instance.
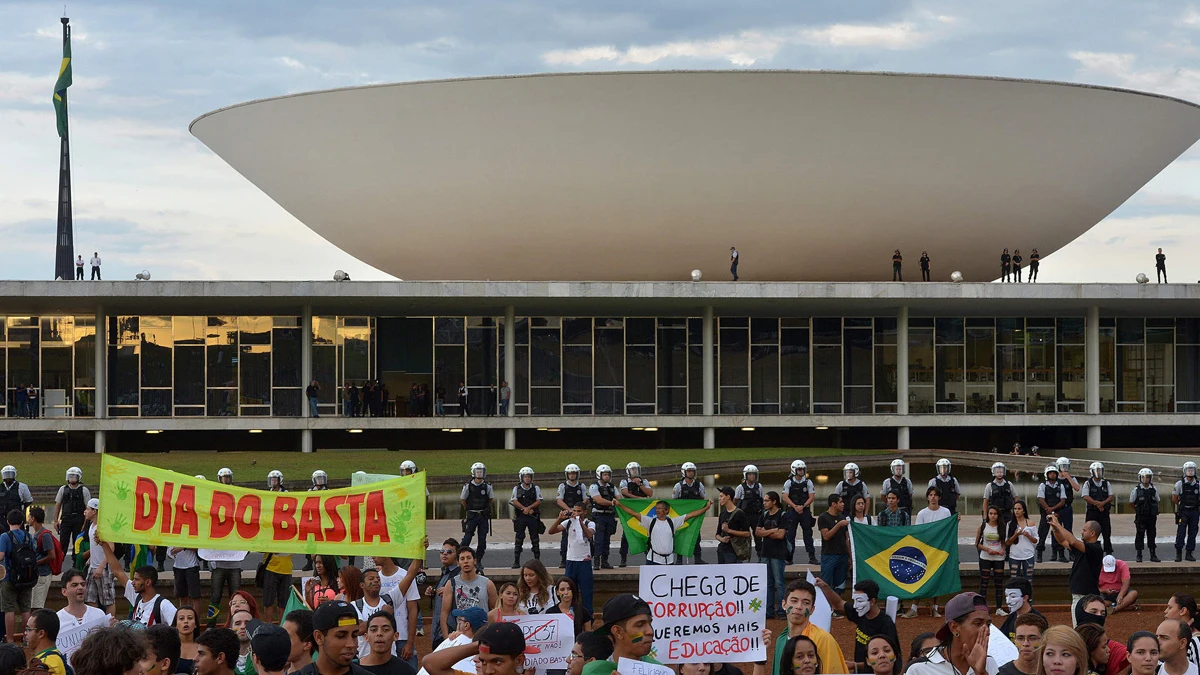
(332, 614)
(958, 607)
(727, 491)
(622, 607)
(504, 639)
(474, 616)
(93, 504)
(272, 645)
(1109, 564)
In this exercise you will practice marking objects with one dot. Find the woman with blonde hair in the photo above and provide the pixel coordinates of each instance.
(507, 603)
(1062, 652)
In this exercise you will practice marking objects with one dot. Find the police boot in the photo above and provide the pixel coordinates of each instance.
(1178, 555)
(624, 560)
(537, 552)
(595, 564)
(1154, 556)
(1039, 556)
(516, 559)
(604, 564)
(1139, 555)
(1189, 557)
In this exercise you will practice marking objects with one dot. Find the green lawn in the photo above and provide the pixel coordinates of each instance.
(48, 468)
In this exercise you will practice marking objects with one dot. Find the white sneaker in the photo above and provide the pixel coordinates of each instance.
(1001, 612)
(936, 613)
(910, 614)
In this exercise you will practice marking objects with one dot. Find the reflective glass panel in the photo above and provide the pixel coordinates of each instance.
(189, 375)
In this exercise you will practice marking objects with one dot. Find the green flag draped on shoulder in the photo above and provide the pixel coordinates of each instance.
(60, 87)
(686, 535)
(920, 561)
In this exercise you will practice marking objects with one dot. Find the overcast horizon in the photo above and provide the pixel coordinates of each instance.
(148, 195)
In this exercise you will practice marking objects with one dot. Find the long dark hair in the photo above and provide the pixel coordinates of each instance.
(914, 651)
(576, 601)
(789, 652)
(1012, 522)
(898, 664)
(1093, 636)
(330, 565)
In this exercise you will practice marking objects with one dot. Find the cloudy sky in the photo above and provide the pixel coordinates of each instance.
(149, 195)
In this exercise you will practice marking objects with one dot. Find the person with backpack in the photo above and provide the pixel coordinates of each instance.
(41, 636)
(661, 528)
(49, 556)
(69, 503)
(147, 606)
(20, 566)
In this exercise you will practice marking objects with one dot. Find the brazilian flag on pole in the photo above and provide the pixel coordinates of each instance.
(920, 561)
(686, 535)
(60, 87)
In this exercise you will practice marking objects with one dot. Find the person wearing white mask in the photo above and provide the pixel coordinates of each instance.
(1018, 598)
(864, 612)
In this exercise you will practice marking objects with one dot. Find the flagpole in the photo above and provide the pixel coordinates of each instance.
(64, 254)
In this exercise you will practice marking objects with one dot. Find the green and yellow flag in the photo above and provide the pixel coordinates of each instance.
(920, 561)
(60, 87)
(686, 535)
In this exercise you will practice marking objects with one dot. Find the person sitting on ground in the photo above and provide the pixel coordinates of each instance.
(588, 647)
(962, 640)
(1173, 638)
(864, 612)
(798, 604)
(1018, 597)
(1028, 630)
(1114, 584)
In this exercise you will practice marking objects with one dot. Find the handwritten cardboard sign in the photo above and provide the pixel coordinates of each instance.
(706, 613)
(69, 637)
(551, 634)
(627, 666)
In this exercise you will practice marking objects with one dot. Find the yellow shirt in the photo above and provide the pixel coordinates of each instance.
(281, 563)
(832, 659)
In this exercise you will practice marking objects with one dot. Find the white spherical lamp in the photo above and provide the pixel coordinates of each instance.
(956, 277)
(1142, 278)
(696, 275)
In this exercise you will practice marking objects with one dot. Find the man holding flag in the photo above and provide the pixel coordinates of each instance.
(661, 529)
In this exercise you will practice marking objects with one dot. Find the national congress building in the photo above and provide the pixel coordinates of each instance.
(567, 213)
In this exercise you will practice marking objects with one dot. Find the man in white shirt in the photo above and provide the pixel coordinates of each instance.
(931, 514)
(398, 587)
(95, 266)
(79, 268)
(661, 530)
(77, 612)
(579, 531)
(147, 606)
(100, 578)
(1173, 637)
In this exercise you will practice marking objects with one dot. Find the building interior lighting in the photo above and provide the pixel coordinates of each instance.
(154, 431)
(355, 431)
(256, 431)
(747, 428)
(650, 429)
(822, 428)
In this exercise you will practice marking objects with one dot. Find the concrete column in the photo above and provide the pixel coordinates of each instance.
(306, 370)
(902, 441)
(706, 355)
(902, 367)
(510, 366)
(101, 356)
(510, 438)
(306, 444)
(1093, 437)
(1092, 367)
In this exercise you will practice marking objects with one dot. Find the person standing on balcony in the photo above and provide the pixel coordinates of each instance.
(312, 392)
(897, 260)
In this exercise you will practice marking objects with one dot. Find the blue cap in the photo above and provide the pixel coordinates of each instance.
(474, 616)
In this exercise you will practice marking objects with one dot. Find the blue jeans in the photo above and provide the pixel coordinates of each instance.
(580, 571)
(833, 570)
(1188, 521)
(312, 407)
(411, 661)
(775, 586)
(504, 407)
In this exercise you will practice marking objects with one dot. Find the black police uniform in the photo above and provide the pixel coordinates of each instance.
(798, 492)
(527, 496)
(71, 516)
(752, 505)
(1053, 495)
(1103, 515)
(1145, 518)
(479, 516)
(605, 518)
(1003, 498)
(1187, 516)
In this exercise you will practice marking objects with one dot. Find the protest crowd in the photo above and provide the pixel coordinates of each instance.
(363, 614)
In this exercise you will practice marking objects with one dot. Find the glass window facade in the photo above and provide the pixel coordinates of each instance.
(250, 366)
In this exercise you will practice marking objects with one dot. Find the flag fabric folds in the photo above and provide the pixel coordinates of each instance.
(686, 535)
(920, 561)
(294, 601)
(60, 87)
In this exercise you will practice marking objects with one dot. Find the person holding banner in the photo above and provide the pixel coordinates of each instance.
(147, 607)
(662, 540)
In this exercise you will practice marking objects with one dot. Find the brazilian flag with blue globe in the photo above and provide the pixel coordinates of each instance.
(920, 561)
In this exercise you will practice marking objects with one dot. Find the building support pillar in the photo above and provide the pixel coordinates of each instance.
(1093, 437)
(306, 369)
(306, 435)
(902, 442)
(510, 372)
(101, 396)
(706, 355)
(1092, 362)
(902, 363)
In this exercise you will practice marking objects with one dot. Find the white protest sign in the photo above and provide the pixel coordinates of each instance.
(1000, 647)
(706, 613)
(69, 637)
(627, 666)
(214, 555)
(822, 616)
(551, 634)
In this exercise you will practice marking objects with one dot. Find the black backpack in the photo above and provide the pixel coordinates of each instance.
(155, 617)
(23, 569)
(650, 538)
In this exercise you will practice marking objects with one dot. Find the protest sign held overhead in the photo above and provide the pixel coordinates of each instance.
(919, 561)
(686, 534)
(706, 613)
(146, 505)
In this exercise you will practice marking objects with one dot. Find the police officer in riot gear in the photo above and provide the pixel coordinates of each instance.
(947, 485)
(633, 486)
(225, 476)
(70, 502)
(570, 492)
(13, 493)
(901, 485)
(604, 513)
(798, 495)
(1145, 500)
(408, 467)
(476, 499)
(1066, 515)
(1098, 494)
(1000, 494)
(690, 488)
(320, 481)
(1187, 511)
(1051, 497)
(527, 515)
(850, 487)
(748, 496)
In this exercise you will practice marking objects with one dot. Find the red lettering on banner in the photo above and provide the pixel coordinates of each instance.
(310, 520)
(283, 520)
(220, 515)
(355, 502)
(185, 512)
(337, 531)
(146, 500)
(249, 509)
(376, 526)
(168, 492)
